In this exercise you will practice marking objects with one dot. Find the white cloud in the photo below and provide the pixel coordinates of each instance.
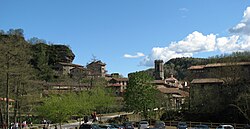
(138, 54)
(242, 28)
(228, 44)
(184, 9)
(162, 53)
(196, 42)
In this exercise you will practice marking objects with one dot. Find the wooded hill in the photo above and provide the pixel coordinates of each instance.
(42, 55)
(179, 66)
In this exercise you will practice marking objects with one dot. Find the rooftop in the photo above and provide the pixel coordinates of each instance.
(197, 67)
(166, 90)
(206, 80)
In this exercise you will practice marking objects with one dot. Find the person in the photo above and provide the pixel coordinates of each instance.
(86, 119)
(94, 117)
(55, 127)
(16, 125)
(24, 125)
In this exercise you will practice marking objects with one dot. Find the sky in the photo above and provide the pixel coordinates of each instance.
(128, 35)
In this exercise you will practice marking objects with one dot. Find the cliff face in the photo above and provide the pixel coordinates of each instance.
(61, 53)
(42, 52)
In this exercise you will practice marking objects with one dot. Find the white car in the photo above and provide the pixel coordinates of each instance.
(225, 127)
(143, 125)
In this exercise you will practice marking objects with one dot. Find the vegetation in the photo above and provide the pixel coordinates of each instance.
(179, 66)
(141, 95)
(15, 72)
(25, 64)
(60, 108)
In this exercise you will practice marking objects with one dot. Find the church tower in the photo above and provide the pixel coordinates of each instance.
(159, 71)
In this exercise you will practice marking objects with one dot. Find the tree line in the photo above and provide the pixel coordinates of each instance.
(26, 65)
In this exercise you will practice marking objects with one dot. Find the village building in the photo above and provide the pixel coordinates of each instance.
(97, 68)
(171, 87)
(218, 73)
(209, 81)
(93, 69)
(117, 83)
(79, 72)
(65, 68)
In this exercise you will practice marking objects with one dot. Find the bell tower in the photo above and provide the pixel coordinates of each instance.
(159, 71)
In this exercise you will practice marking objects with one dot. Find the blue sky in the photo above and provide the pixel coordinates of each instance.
(128, 35)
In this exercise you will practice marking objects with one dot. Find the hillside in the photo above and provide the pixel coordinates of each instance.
(42, 56)
(178, 66)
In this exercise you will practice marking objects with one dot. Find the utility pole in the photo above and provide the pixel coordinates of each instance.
(7, 100)
(1, 118)
(16, 101)
(7, 90)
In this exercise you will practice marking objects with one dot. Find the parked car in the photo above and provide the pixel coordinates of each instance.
(182, 125)
(160, 125)
(247, 126)
(117, 126)
(107, 127)
(143, 125)
(89, 126)
(128, 125)
(201, 127)
(225, 127)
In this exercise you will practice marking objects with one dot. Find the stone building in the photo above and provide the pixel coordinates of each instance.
(119, 85)
(159, 70)
(171, 87)
(97, 69)
(65, 68)
(210, 81)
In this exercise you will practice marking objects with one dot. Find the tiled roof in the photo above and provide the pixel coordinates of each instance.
(108, 78)
(114, 85)
(81, 68)
(97, 62)
(4, 99)
(159, 82)
(120, 79)
(206, 80)
(70, 64)
(166, 90)
(196, 67)
(172, 78)
(227, 64)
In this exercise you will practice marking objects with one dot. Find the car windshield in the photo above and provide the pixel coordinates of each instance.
(182, 124)
(201, 126)
(228, 127)
(143, 122)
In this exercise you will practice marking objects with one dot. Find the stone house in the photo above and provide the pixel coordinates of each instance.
(175, 95)
(97, 69)
(209, 81)
(118, 85)
(170, 87)
(65, 68)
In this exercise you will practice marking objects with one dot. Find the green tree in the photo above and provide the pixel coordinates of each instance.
(101, 99)
(15, 68)
(140, 94)
(58, 108)
(40, 61)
